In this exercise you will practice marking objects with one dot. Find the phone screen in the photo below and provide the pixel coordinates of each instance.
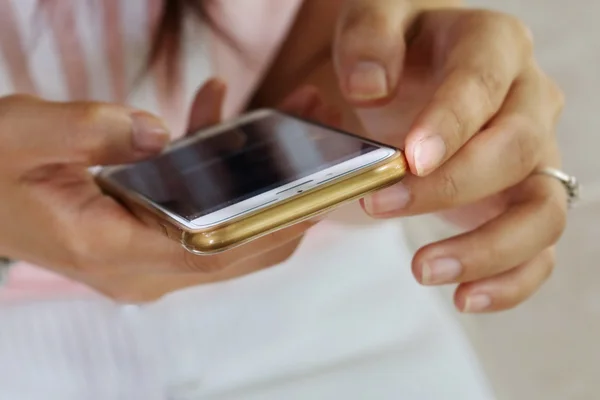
(211, 172)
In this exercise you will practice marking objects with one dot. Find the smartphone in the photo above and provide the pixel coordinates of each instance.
(232, 183)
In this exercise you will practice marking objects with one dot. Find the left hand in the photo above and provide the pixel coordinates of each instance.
(143, 286)
(460, 91)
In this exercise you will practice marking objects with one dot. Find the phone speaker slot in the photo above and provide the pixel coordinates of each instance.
(295, 187)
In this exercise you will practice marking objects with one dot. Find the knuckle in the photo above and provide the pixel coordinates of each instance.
(360, 16)
(84, 117)
(459, 121)
(455, 121)
(448, 189)
(558, 95)
(488, 87)
(525, 145)
(523, 33)
(506, 25)
(89, 113)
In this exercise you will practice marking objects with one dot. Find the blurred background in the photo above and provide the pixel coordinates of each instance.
(549, 347)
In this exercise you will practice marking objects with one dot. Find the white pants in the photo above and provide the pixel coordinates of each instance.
(342, 319)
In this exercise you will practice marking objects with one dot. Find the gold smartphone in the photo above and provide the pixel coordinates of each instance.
(232, 183)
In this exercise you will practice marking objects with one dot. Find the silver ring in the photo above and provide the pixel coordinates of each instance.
(570, 183)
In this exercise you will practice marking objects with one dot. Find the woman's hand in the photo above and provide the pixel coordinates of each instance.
(54, 215)
(460, 91)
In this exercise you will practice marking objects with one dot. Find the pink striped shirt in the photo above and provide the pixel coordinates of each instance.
(95, 49)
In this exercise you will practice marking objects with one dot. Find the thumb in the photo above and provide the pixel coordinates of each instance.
(369, 48)
(35, 132)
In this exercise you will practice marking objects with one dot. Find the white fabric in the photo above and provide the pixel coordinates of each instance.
(342, 319)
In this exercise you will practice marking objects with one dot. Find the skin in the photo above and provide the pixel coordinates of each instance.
(458, 89)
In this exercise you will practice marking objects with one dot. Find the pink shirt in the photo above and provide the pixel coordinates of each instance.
(89, 49)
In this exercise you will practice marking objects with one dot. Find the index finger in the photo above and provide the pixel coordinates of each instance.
(488, 51)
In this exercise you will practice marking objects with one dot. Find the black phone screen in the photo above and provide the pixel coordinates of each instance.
(211, 172)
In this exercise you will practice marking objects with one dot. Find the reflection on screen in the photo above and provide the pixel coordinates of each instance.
(214, 172)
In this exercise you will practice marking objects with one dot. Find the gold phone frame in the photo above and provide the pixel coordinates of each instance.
(252, 225)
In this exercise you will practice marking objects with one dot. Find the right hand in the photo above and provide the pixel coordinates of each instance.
(53, 214)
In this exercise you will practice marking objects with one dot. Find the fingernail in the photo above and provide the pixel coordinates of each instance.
(388, 200)
(477, 303)
(149, 133)
(368, 81)
(440, 271)
(428, 154)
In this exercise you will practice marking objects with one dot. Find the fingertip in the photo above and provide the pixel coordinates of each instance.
(477, 303)
(213, 91)
(472, 298)
(219, 89)
(417, 270)
(425, 152)
(149, 133)
(459, 301)
(367, 81)
(389, 202)
(207, 107)
(368, 207)
(219, 83)
(412, 138)
(460, 295)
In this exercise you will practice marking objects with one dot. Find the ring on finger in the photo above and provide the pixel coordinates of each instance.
(570, 183)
